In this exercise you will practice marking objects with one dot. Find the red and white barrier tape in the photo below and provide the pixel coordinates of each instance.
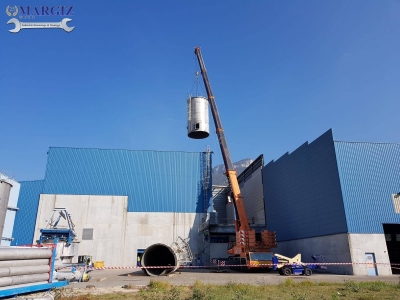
(224, 265)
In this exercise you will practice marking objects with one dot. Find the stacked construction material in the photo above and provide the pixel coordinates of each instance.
(24, 265)
(26, 269)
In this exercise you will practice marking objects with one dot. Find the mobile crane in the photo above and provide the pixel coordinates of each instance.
(247, 251)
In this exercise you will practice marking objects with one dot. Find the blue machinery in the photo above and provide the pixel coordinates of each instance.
(51, 232)
(293, 266)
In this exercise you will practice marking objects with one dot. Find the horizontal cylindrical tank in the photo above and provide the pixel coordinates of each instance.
(23, 263)
(11, 253)
(5, 188)
(14, 280)
(198, 123)
(159, 259)
(27, 270)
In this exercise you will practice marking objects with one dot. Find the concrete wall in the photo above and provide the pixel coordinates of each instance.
(369, 243)
(10, 216)
(117, 234)
(334, 248)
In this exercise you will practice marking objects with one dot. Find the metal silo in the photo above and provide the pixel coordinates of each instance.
(5, 188)
(198, 124)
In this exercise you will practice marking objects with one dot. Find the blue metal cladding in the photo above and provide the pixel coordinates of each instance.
(25, 218)
(369, 175)
(154, 181)
(302, 192)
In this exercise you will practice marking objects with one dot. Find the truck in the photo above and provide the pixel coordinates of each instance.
(247, 252)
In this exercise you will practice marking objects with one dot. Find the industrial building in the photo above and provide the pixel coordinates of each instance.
(120, 201)
(338, 199)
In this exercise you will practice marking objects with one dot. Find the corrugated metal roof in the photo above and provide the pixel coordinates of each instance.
(154, 181)
(25, 218)
(369, 175)
(302, 192)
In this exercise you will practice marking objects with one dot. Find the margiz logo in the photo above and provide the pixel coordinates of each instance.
(12, 10)
(29, 12)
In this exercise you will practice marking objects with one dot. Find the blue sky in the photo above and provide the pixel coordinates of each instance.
(283, 72)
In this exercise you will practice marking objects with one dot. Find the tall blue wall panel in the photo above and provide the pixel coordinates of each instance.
(153, 181)
(302, 192)
(25, 218)
(369, 175)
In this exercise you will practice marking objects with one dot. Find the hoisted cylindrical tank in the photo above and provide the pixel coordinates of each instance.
(159, 259)
(198, 121)
(5, 188)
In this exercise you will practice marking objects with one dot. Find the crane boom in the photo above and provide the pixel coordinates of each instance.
(256, 253)
(242, 222)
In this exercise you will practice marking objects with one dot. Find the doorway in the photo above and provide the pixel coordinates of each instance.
(139, 257)
(371, 264)
(392, 237)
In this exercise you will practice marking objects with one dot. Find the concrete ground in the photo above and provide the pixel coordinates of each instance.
(118, 278)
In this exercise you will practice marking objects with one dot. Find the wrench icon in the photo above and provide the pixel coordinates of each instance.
(26, 25)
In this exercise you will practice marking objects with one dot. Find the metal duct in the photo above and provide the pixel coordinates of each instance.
(5, 188)
(14, 271)
(161, 256)
(14, 280)
(23, 262)
(7, 253)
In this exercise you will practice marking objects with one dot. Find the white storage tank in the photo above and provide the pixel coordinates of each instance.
(198, 124)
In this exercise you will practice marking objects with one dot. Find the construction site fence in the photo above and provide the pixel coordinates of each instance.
(222, 264)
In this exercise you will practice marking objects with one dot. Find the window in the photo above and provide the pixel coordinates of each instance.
(219, 239)
(260, 256)
(197, 126)
(396, 202)
(388, 237)
(87, 234)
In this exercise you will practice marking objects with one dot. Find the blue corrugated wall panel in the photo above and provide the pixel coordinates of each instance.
(154, 181)
(302, 192)
(369, 175)
(25, 218)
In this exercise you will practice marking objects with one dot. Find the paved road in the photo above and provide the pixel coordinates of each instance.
(118, 278)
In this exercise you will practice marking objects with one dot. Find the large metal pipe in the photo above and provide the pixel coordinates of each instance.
(14, 280)
(10, 253)
(14, 271)
(5, 188)
(161, 258)
(23, 263)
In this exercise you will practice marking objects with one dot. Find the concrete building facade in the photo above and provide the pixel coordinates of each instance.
(337, 199)
(120, 201)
